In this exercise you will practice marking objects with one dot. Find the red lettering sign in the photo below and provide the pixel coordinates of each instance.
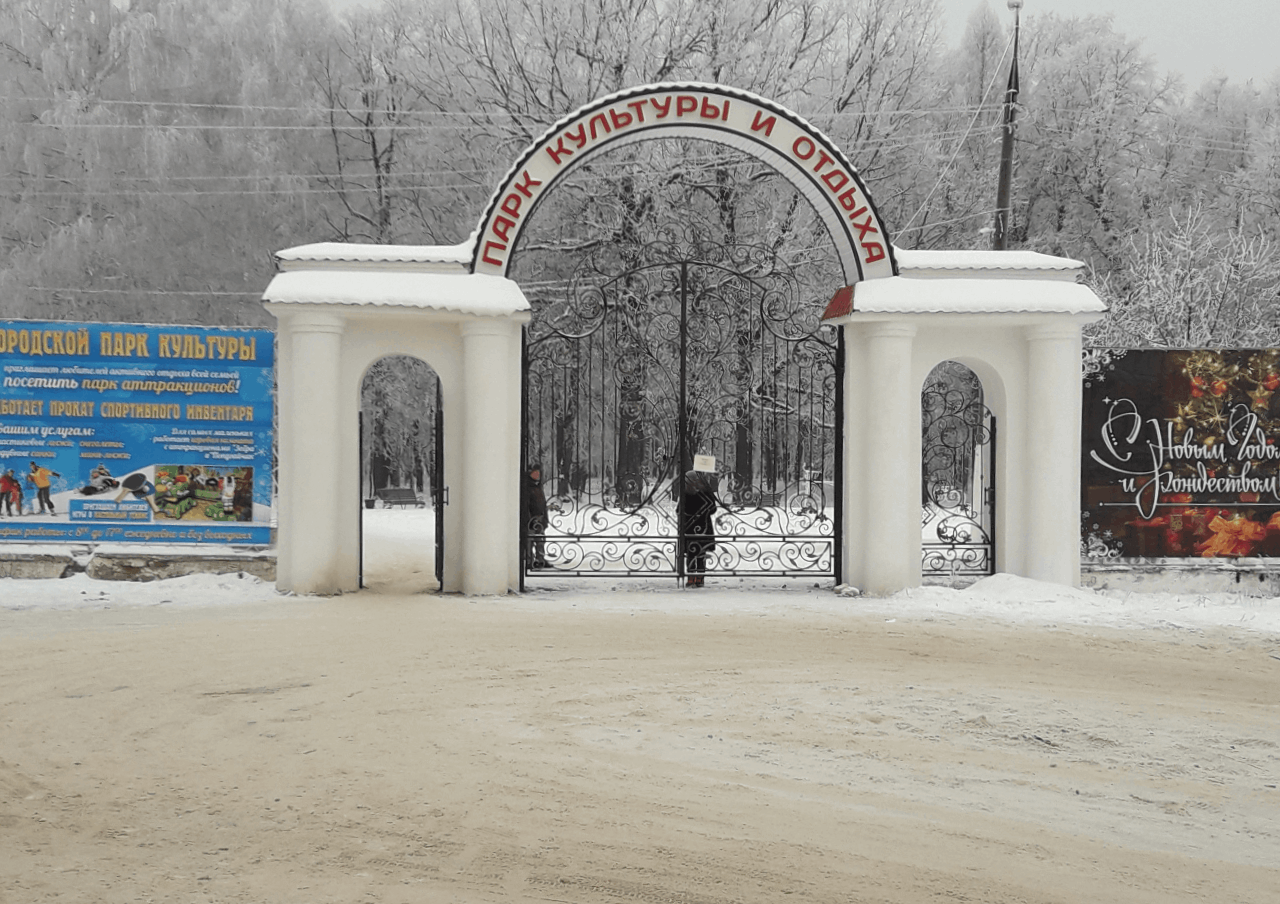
(734, 118)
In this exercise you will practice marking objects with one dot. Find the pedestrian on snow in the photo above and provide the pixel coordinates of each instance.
(533, 515)
(698, 508)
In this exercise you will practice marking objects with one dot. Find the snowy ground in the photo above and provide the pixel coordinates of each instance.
(398, 559)
(605, 742)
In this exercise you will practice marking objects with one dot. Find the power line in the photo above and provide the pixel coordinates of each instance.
(907, 141)
(1197, 142)
(232, 127)
(81, 291)
(351, 180)
(947, 222)
(244, 192)
(243, 176)
(346, 128)
(942, 174)
(469, 114)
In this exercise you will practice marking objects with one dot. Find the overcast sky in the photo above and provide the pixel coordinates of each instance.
(1198, 38)
(1235, 38)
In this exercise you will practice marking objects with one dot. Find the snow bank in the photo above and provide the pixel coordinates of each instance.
(398, 547)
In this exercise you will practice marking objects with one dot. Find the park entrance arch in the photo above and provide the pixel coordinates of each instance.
(1014, 317)
(696, 348)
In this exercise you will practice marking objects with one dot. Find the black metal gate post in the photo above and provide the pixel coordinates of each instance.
(360, 501)
(990, 499)
(682, 424)
(524, 453)
(838, 551)
(440, 491)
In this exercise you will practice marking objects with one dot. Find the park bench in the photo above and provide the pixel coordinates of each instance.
(399, 496)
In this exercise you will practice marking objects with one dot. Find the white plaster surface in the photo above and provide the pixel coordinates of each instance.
(901, 295)
(355, 252)
(361, 312)
(1011, 264)
(459, 293)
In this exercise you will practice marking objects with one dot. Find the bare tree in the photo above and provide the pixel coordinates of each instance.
(139, 182)
(1193, 285)
(1092, 102)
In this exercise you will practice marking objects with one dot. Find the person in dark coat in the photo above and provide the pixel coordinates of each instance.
(533, 514)
(698, 510)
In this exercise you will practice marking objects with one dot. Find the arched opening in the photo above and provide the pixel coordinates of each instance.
(401, 476)
(958, 449)
(676, 330)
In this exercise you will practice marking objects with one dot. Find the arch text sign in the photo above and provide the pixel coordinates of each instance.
(772, 134)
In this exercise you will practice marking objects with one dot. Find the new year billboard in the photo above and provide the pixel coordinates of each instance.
(122, 433)
(1180, 454)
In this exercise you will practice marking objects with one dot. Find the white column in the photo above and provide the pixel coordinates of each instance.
(892, 475)
(1051, 521)
(310, 535)
(490, 456)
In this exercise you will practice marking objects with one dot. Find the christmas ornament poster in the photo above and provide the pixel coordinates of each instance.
(1180, 454)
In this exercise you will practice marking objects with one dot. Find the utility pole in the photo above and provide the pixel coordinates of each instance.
(1004, 208)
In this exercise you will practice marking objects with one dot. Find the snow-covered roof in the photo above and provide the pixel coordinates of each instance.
(1009, 264)
(903, 295)
(463, 293)
(451, 257)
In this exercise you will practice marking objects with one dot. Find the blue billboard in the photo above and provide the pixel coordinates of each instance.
(123, 433)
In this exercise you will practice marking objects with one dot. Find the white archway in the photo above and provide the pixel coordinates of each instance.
(1015, 319)
(401, 453)
(342, 307)
(1016, 315)
(958, 436)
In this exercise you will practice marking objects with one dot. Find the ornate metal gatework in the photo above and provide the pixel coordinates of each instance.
(958, 446)
(659, 353)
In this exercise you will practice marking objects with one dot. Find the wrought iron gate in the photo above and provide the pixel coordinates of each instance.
(661, 352)
(958, 462)
(439, 492)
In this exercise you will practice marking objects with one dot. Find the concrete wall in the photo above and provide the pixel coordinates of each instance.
(324, 353)
(139, 564)
(1029, 366)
